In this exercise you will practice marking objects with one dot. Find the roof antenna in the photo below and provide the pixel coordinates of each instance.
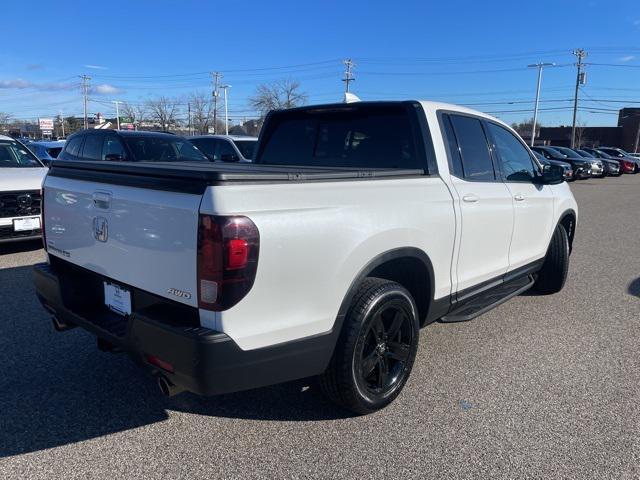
(350, 98)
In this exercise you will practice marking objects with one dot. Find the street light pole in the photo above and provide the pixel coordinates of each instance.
(226, 109)
(117, 114)
(539, 66)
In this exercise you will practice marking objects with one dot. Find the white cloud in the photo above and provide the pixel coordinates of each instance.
(14, 83)
(96, 67)
(42, 87)
(627, 58)
(105, 89)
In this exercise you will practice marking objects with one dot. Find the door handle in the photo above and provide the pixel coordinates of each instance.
(102, 200)
(518, 197)
(471, 198)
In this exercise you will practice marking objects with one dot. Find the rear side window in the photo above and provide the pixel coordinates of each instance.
(456, 160)
(227, 153)
(92, 149)
(247, 148)
(112, 148)
(207, 146)
(73, 146)
(371, 136)
(474, 149)
(163, 149)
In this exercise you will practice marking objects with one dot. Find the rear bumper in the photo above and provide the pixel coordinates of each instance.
(203, 361)
(7, 234)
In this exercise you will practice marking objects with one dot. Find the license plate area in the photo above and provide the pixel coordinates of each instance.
(117, 299)
(26, 224)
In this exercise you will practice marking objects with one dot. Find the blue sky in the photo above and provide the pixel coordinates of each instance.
(466, 52)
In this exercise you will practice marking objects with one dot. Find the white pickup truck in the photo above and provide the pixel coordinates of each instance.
(357, 224)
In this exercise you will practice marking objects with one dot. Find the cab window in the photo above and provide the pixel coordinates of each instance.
(473, 148)
(515, 161)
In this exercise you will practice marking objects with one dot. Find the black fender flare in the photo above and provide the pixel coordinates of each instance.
(571, 234)
(396, 253)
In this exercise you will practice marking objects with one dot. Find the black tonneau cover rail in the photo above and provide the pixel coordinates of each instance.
(194, 177)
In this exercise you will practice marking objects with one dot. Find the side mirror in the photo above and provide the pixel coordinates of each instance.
(114, 157)
(229, 157)
(551, 175)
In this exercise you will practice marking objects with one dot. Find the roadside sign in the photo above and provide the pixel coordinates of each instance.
(47, 132)
(45, 124)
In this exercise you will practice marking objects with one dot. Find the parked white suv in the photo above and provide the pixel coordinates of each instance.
(21, 176)
(356, 225)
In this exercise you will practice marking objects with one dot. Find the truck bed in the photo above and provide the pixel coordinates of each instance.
(194, 177)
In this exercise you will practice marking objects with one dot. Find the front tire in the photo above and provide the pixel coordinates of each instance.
(553, 274)
(376, 349)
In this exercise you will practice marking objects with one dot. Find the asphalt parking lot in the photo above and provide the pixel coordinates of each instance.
(539, 387)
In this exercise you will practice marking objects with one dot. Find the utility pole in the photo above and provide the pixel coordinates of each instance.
(226, 109)
(581, 54)
(539, 66)
(348, 74)
(189, 116)
(117, 114)
(85, 94)
(62, 122)
(216, 82)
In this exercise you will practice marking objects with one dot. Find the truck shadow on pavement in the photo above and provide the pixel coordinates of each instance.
(18, 247)
(58, 388)
(634, 287)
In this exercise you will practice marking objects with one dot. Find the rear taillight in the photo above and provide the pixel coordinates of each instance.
(44, 231)
(227, 260)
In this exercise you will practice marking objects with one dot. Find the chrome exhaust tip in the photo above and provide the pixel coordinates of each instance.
(167, 388)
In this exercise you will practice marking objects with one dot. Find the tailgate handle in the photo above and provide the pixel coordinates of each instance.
(102, 200)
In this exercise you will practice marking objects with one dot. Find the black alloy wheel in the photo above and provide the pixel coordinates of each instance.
(384, 350)
(376, 348)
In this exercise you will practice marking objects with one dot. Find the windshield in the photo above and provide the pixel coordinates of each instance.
(247, 148)
(163, 149)
(14, 155)
(584, 153)
(567, 152)
(604, 155)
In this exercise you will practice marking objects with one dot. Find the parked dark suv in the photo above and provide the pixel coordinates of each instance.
(581, 167)
(123, 145)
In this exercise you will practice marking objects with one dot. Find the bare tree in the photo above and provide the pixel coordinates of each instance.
(164, 111)
(137, 113)
(524, 128)
(581, 137)
(280, 94)
(5, 118)
(201, 112)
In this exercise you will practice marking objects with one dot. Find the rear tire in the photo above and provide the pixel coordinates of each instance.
(376, 348)
(553, 274)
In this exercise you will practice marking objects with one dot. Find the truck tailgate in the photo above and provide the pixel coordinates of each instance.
(139, 237)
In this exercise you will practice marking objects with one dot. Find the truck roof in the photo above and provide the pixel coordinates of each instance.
(427, 105)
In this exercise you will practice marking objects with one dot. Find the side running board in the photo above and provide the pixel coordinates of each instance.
(482, 303)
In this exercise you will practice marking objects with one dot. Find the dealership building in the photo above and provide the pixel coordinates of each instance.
(625, 135)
